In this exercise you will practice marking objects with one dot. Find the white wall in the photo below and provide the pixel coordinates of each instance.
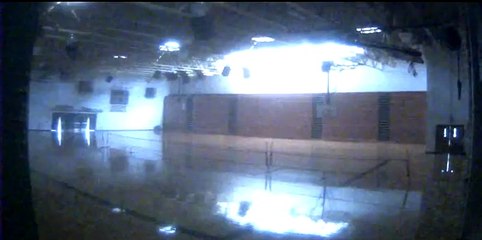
(360, 79)
(141, 114)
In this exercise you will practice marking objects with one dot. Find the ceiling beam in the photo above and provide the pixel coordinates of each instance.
(153, 6)
(415, 13)
(305, 11)
(83, 33)
(250, 15)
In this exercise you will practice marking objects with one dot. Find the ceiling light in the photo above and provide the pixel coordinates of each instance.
(116, 56)
(170, 46)
(368, 30)
(167, 229)
(124, 57)
(262, 39)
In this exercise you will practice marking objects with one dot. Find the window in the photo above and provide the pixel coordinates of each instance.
(119, 97)
(150, 93)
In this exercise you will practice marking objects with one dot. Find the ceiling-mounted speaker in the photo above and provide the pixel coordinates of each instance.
(171, 76)
(200, 75)
(156, 75)
(326, 66)
(246, 73)
(72, 50)
(184, 77)
(226, 71)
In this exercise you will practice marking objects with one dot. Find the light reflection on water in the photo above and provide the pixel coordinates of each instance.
(277, 213)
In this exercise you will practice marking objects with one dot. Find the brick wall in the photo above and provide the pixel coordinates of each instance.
(351, 116)
(348, 117)
(278, 116)
(210, 114)
(407, 117)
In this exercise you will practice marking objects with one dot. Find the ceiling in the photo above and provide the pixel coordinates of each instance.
(96, 31)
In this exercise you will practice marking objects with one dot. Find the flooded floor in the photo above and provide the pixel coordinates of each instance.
(139, 185)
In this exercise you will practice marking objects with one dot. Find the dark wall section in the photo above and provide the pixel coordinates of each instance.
(394, 117)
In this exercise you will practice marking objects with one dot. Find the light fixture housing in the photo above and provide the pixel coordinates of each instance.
(369, 30)
(262, 39)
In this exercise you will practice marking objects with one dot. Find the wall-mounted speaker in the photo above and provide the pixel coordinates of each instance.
(226, 71)
(326, 66)
(246, 73)
(109, 79)
(156, 75)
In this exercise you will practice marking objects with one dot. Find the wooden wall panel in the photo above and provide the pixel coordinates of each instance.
(211, 114)
(353, 117)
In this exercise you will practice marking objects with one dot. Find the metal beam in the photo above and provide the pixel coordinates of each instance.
(250, 15)
(153, 6)
(83, 33)
(305, 11)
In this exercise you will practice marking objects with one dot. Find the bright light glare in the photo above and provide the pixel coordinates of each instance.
(116, 56)
(87, 131)
(59, 131)
(73, 3)
(448, 163)
(297, 55)
(276, 213)
(262, 39)
(167, 229)
(445, 132)
(117, 210)
(170, 46)
(455, 132)
(287, 69)
(124, 57)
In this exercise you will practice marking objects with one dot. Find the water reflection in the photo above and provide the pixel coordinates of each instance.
(448, 167)
(277, 213)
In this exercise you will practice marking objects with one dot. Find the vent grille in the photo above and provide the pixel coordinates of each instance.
(317, 122)
(384, 117)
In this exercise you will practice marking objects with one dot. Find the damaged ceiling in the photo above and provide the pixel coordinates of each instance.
(75, 36)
